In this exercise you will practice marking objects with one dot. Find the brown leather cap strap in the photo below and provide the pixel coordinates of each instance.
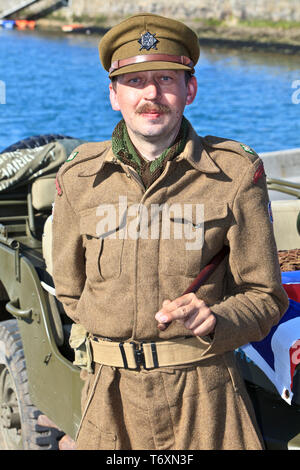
(180, 59)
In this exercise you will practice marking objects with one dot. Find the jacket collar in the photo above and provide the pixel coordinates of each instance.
(196, 154)
(94, 165)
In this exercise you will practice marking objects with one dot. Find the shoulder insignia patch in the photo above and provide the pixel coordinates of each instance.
(58, 188)
(248, 149)
(259, 173)
(72, 156)
(270, 212)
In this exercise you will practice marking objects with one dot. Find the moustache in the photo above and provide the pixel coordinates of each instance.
(153, 108)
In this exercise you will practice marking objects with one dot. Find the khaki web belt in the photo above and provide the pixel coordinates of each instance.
(150, 355)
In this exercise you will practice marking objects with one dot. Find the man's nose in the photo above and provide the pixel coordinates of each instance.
(151, 90)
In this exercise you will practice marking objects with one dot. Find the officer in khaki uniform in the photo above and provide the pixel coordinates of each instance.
(151, 386)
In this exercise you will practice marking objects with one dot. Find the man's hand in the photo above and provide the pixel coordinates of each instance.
(192, 312)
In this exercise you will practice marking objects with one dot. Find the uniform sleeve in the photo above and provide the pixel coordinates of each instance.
(67, 253)
(254, 298)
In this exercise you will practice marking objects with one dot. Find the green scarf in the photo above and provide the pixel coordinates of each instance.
(149, 171)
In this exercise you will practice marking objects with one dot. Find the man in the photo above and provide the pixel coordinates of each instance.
(129, 238)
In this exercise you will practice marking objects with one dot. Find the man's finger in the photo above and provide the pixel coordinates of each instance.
(172, 312)
(197, 318)
(181, 301)
(169, 306)
(162, 326)
(207, 327)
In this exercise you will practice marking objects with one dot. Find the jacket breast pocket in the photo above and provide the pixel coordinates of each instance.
(192, 240)
(103, 248)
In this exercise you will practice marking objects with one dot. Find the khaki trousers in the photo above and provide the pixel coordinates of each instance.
(166, 409)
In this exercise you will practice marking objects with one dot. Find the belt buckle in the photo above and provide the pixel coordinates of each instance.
(139, 354)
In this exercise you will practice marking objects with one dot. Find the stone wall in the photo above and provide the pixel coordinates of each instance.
(274, 10)
(113, 10)
(34, 9)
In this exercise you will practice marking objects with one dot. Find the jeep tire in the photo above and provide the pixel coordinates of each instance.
(19, 429)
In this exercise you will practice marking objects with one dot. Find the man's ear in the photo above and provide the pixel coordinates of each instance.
(192, 87)
(113, 97)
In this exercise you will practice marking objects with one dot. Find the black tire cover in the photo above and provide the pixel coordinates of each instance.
(35, 141)
(33, 157)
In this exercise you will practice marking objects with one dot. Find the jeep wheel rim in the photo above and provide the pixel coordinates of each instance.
(10, 421)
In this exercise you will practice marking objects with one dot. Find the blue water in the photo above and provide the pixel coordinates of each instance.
(55, 84)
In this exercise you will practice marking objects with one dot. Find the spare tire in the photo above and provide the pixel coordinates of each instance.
(21, 163)
(19, 428)
(35, 141)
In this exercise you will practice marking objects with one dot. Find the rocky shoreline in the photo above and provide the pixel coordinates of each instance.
(251, 38)
(269, 39)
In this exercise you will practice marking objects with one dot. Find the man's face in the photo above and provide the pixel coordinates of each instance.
(152, 102)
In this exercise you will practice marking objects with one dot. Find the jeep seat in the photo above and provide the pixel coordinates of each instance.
(43, 192)
(286, 223)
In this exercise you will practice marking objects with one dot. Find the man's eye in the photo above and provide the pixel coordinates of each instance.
(134, 80)
(166, 78)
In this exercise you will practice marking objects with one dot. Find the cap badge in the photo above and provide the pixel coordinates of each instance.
(148, 41)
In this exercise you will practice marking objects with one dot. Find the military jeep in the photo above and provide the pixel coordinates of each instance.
(37, 376)
(40, 387)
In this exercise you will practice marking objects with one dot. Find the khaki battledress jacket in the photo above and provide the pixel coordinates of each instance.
(113, 282)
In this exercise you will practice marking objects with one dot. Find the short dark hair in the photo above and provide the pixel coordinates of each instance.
(188, 75)
(114, 81)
